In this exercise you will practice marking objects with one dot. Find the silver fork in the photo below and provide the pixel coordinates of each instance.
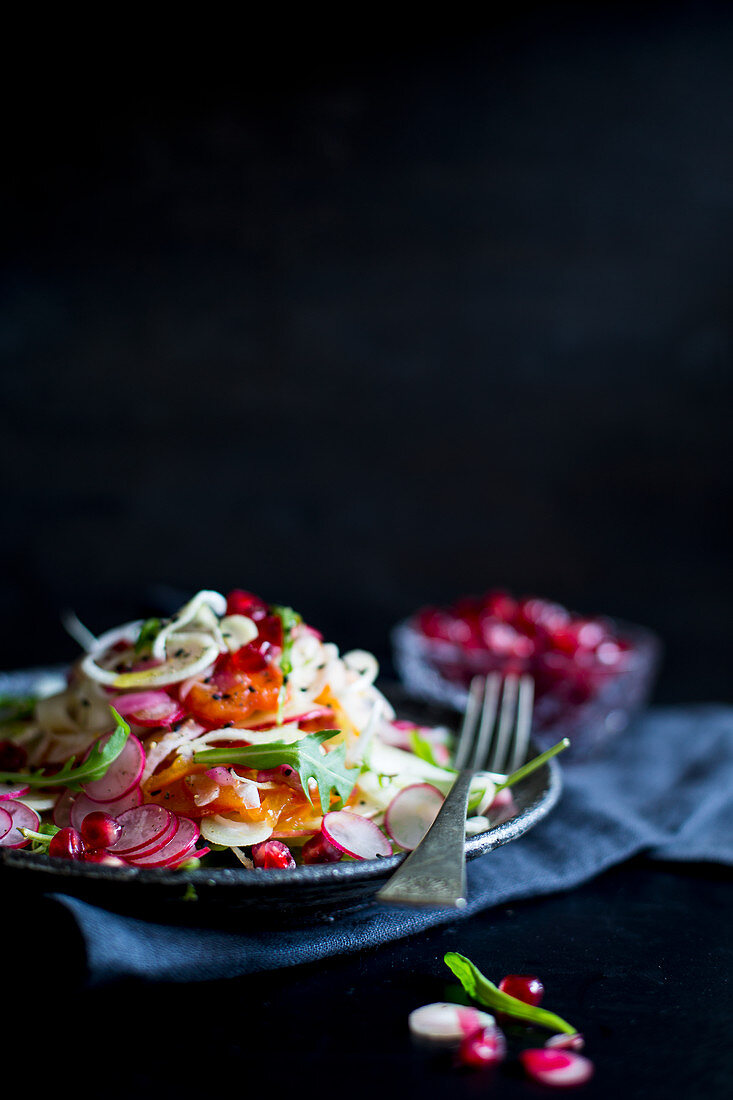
(494, 737)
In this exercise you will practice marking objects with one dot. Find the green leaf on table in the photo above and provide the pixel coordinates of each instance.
(74, 775)
(329, 771)
(478, 986)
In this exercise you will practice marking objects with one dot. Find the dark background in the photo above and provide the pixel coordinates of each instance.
(361, 318)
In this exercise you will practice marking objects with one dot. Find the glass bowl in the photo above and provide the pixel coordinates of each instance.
(576, 696)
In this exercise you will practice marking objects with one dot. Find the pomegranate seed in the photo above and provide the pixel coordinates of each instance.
(272, 853)
(240, 602)
(485, 1047)
(320, 850)
(100, 830)
(98, 855)
(524, 987)
(500, 605)
(557, 1067)
(12, 757)
(66, 844)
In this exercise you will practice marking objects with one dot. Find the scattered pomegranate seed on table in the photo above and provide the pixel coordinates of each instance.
(524, 987)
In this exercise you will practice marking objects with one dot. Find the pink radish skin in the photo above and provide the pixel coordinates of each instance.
(411, 813)
(141, 827)
(12, 792)
(6, 823)
(81, 805)
(566, 1042)
(355, 835)
(123, 774)
(22, 818)
(151, 709)
(153, 846)
(176, 850)
(557, 1068)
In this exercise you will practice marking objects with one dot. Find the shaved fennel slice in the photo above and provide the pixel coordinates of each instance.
(206, 606)
(222, 829)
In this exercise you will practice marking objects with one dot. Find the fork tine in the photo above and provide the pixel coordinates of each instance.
(492, 688)
(524, 723)
(470, 721)
(506, 724)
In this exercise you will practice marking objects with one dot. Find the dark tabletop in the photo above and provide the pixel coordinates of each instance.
(638, 959)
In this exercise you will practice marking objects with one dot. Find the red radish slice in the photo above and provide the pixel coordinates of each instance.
(149, 708)
(12, 792)
(156, 845)
(559, 1068)
(355, 835)
(82, 805)
(176, 850)
(445, 1023)
(411, 813)
(23, 817)
(142, 826)
(6, 823)
(62, 809)
(123, 774)
(566, 1042)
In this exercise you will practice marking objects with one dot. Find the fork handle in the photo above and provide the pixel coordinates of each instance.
(435, 873)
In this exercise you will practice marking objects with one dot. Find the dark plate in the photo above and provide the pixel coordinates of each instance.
(315, 893)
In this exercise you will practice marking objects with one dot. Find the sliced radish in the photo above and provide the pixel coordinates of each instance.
(12, 791)
(151, 709)
(575, 1041)
(177, 849)
(355, 835)
(123, 774)
(411, 813)
(153, 846)
(445, 1023)
(82, 805)
(62, 809)
(559, 1068)
(23, 817)
(141, 826)
(6, 823)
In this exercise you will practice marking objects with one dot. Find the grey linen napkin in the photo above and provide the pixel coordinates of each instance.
(665, 788)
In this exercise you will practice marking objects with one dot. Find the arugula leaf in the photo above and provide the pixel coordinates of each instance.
(424, 749)
(40, 840)
(329, 771)
(288, 619)
(532, 765)
(149, 631)
(486, 993)
(74, 775)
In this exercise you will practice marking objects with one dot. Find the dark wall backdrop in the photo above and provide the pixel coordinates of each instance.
(371, 321)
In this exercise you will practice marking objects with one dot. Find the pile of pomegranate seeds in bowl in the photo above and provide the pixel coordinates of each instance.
(591, 673)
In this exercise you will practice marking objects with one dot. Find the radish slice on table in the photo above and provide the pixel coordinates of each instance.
(123, 774)
(560, 1068)
(6, 823)
(151, 709)
(355, 835)
(141, 826)
(22, 818)
(411, 813)
(447, 1024)
(178, 848)
(81, 805)
(12, 791)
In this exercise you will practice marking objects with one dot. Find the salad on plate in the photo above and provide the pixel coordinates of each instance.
(230, 731)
